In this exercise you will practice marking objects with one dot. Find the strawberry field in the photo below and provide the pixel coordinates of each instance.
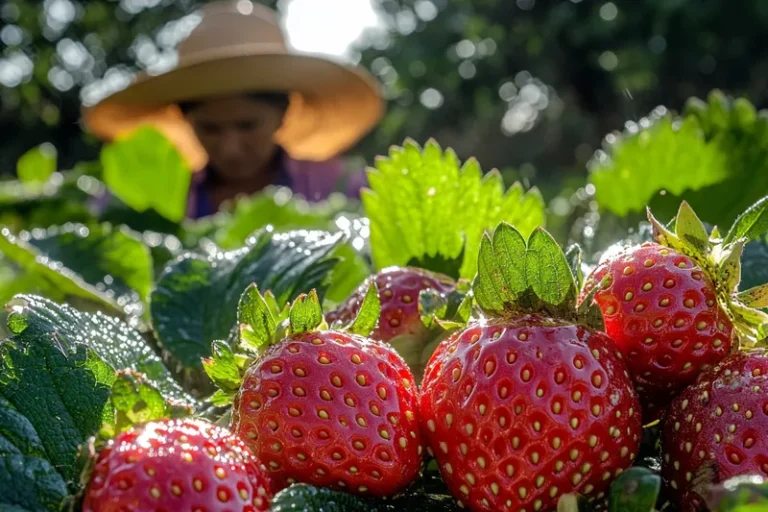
(448, 342)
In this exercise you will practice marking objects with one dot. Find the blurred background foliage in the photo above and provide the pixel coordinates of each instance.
(531, 87)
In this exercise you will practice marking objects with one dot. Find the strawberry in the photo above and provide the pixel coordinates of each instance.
(331, 408)
(670, 306)
(180, 465)
(661, 309)
(521, 408)
(400, 323)
(716, 428)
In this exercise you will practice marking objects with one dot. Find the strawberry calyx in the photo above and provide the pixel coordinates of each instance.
(720, 258)
(261, 323)
(518, 277)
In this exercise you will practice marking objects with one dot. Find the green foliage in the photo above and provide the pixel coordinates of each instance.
(635, 490)
(369, 313)
(37, 164)
(277, 207)
(146, 171)
(306, 314)
(422, 204)
(517, 276)
(222, 369)
(108, 267)
(257, 317)
(57, 376)
(746, 493)
(196, 298)
(719, 149)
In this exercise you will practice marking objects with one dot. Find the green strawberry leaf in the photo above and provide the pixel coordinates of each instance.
(37, 164)
(277, 207)
(370, 310)
(110, 268)
(690, 229)
(137, 400)
(306, 314)
(637, 165)
(256, 318)
(714, 155)
(501, 269)
(574, 255)
(348, 274)
(146, 171)
(439, 263)
(756, 297)
(196, 298)
(448, 312)
(547, 271)
(514, 276)
(729, 266)
(635, 490)
(751, 224)
(424, 207)
(746, 493)
(222, 368)
(59, 385)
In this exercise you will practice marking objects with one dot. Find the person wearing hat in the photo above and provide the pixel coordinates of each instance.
(246, 112)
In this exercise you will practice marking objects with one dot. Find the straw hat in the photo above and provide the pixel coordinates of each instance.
(239, 47)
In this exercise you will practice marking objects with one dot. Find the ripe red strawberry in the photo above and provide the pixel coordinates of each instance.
(179, 465)
(332, 409)
(520, 412)
(673, 307)
(662, 311)
(526, 404)
(716, 428)
(399, 289)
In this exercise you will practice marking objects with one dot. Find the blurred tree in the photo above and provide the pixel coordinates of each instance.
(519, 81)
(525, 84)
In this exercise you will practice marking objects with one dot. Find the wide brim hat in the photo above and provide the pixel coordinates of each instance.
(237, 48)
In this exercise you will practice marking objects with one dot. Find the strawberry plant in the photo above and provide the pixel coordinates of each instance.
(430, 348)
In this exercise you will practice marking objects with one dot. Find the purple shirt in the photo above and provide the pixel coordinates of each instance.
(315, 181)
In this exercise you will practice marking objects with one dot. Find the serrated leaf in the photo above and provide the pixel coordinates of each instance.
(37, 164)
(256, 318)
(729, 268)
(439, 263)
(636, 165)
(108, 267)
(368, 315)
(753, 322)
(751, 224)
(548, 273)
(756, 297)
(306, 313)
(146, 171)
(195, 301)
(56, 377)
(222, 368)
(713, 156)
(690, 229)
(635, 490)
(440, 206)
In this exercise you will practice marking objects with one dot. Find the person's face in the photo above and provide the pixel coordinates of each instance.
(237, 133)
